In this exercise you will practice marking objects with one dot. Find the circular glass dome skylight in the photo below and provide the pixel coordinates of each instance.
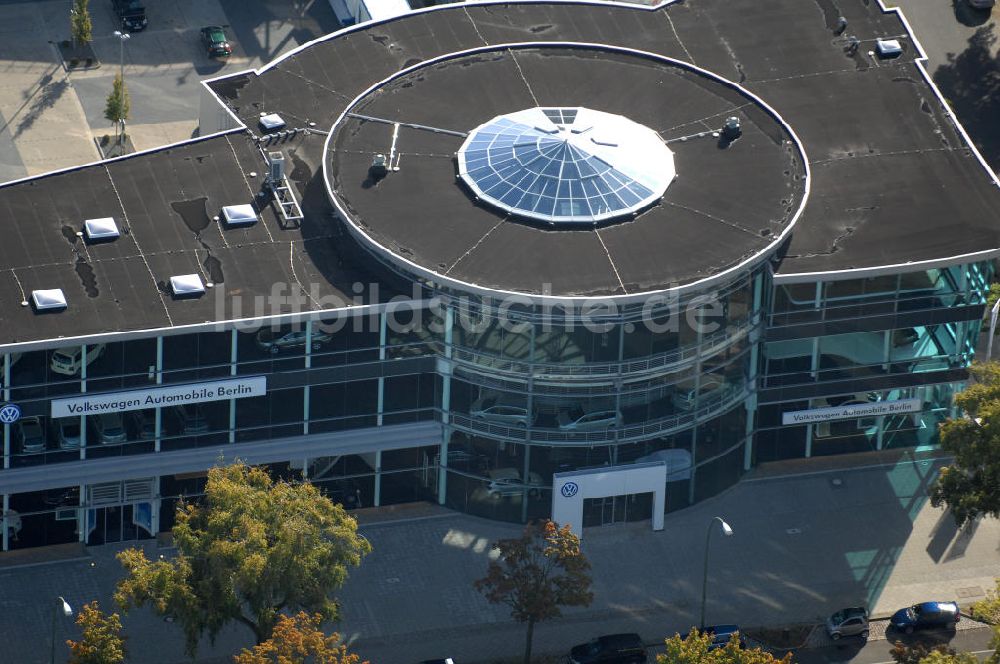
(566, 165)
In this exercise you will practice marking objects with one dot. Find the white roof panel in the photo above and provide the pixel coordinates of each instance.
(104, 228)
(187, 284)
(239, 215)
(271, 121)
(888, 47)
(45, 300)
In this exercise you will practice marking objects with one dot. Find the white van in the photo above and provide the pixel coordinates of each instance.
(67, 361)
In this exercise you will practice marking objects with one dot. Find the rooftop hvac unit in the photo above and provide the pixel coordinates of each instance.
(276, 167)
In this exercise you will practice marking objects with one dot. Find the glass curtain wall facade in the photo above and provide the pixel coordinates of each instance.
(537, 390)
(862, 341)
(519, 393)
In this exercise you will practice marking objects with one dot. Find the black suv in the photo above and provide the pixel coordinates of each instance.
(610, 649)
(131, 14)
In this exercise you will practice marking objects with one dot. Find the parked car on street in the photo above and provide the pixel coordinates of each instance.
(610, 649)
(507, 482)
(852, 621)
(216, 44)
(925, 615)
(721, 635)
(69, 361)
(578, 419)
(131, 14)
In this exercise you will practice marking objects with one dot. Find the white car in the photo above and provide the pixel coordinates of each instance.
(494, 409)
(69, 361)
(580, 420)
(507, 482)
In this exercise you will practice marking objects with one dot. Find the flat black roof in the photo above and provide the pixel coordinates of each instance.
(730, 201)
(164, 204)
(893, 181)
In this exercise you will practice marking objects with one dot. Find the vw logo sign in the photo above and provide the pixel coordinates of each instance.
(569, 489)
(10, 414)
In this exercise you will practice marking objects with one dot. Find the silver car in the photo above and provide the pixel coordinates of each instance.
(494, 409)
(848, 622)
(580, 420)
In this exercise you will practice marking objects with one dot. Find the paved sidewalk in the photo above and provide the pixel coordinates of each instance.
(804, 546)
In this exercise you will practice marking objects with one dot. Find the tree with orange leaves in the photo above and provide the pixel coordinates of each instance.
(298, 640)
(536, 574)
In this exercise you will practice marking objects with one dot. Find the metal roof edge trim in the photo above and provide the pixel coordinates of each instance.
(105, 162)
(700, 284)
(208, 326)
(895, 268)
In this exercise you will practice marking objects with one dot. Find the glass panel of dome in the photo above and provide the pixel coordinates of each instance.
(537, 150)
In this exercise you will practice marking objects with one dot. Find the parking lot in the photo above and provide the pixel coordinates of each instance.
(49, 118)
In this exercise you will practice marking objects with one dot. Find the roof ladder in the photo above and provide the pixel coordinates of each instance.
(281, 188)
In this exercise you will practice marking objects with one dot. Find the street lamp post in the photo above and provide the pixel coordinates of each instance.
(728, 532)
(67, 611)
(122, 38)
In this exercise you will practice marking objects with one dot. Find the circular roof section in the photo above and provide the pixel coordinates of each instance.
(565, 166)
(392, 171)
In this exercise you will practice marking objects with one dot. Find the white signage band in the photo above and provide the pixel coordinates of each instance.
(119, 402)
(872, 409)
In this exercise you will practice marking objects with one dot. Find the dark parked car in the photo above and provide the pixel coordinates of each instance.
(926, 614)
(131, 14)
(216, 44)
(721, 635)
(610, 649)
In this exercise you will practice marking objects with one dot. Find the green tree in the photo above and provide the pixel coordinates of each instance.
(536, 574)
(970, 487)
(988, 610)
(253, 548)
(695, 650)
(923, 653)
(79, 22)
(118, 106)
(102, 642)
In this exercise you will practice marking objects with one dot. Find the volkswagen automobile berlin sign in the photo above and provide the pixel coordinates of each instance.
(569, 489)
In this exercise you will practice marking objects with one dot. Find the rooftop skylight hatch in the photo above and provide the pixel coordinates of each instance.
(51, 299)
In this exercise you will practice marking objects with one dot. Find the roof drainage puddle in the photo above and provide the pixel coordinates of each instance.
(213, 266)
(87, 277)
(193, 214)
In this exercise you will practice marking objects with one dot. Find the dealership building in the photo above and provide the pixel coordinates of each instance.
(498, 256)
